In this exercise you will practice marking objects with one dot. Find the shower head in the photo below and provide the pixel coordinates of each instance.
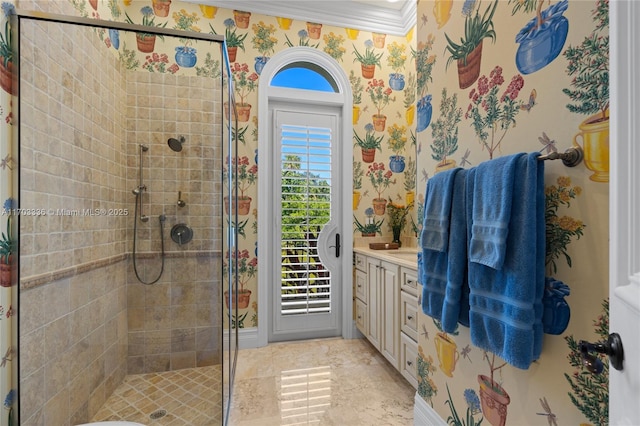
(176, 144)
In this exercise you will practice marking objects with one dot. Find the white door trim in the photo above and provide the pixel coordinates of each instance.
(624, 202)
(265, 93)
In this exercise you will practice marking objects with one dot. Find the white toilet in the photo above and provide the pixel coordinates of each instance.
(112, 423)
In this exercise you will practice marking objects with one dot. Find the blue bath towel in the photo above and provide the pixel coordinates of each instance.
(434, 240)
(492, 198)
(506, 304)
(456, 303)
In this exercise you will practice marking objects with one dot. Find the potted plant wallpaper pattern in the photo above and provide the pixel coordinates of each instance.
(396, 141)
(588, 63)
(445, 132)
(186, 56)
(468, 52)
(542, 38)
(556, 96)
(251, 40)
(590, 393)
(6, 50)
(525, 98)
(424, 62)
(8, 165)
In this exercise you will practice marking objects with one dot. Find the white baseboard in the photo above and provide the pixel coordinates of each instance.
(424, 414)
(247, 338)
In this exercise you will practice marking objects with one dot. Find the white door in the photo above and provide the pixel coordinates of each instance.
(624, 285)
(306, 284)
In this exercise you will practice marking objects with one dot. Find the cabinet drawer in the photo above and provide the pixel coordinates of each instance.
(361, 262)
(409, 281)
(362, 317)
(361, 287)
(409, 359)
(409, 315)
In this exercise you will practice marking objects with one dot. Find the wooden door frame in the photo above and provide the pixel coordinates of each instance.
(624, 205)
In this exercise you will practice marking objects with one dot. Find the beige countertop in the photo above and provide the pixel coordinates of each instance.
(407, 257)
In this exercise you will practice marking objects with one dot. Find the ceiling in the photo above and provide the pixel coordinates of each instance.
(381, 16)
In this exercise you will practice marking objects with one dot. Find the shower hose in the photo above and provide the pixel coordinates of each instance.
(161, 218)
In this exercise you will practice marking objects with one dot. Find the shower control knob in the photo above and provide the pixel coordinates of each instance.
(181, 233)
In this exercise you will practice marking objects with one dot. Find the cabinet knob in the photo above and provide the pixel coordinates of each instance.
(359, 316)
(409, 281)
(359, 285)
(409, 363)
(409, 317)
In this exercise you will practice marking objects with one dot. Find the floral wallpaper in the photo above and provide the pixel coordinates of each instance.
(381, 69)
(8, 295)
(437, 98)
(498, 78)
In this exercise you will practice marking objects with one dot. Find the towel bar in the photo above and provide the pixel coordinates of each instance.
(570, 158)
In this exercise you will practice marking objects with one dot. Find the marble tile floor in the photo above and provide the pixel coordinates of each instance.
(319, 382)
(190, 396)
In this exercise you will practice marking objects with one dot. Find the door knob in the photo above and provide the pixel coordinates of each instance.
(612, 347)
(337, 246)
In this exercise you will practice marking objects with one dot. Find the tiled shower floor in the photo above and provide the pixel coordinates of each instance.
(190, 396)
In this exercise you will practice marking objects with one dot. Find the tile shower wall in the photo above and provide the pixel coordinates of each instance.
(80, 152)
(73, 330)
(176, 322)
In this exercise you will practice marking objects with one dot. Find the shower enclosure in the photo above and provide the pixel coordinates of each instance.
(122, 230)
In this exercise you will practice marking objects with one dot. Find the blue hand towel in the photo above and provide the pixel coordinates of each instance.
(456, 303)
(506, 305)
(437, 210)
(492, 210)
(434, 240)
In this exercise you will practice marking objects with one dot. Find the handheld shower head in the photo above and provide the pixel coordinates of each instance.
(176, 144)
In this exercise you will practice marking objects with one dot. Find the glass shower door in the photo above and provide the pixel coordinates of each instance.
(230, 233)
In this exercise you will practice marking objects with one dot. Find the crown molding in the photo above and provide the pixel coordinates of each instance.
(347, 14)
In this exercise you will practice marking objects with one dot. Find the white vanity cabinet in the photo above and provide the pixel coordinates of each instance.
(386, 308)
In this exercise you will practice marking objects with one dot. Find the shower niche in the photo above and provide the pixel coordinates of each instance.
(136, 289)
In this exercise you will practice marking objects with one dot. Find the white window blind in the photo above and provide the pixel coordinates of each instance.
(305, 208)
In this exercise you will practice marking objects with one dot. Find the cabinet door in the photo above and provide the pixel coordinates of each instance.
(390, 312)
(409, 360)
(373, 284)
